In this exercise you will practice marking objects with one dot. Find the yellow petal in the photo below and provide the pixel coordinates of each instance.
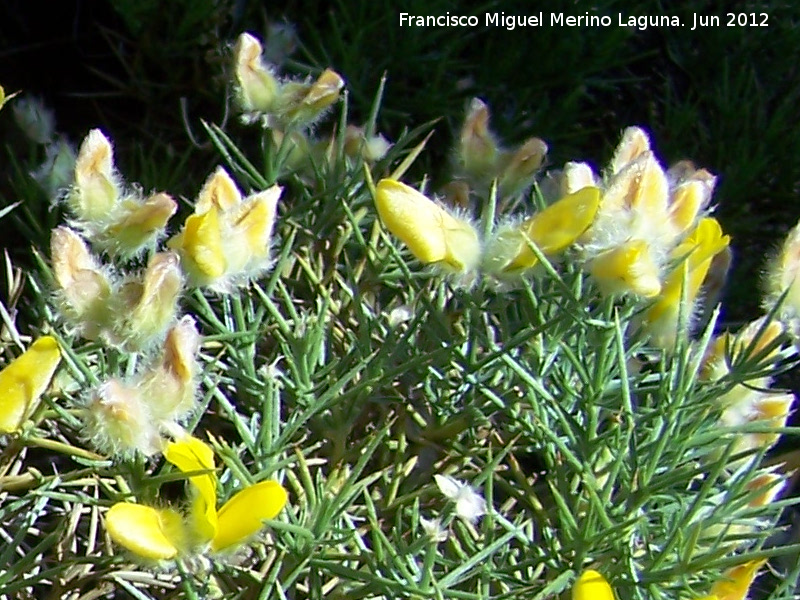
(242, 516)
(200, 247)
(592, 586)
(247, 241)
(696, 251)
(627, 269)
(189, 455)
(146, 531)
(24, 380)
(559, 225)
(736, 582)
(431, 233)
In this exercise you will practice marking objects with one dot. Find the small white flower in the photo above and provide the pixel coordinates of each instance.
(434, 530)
(470, 505)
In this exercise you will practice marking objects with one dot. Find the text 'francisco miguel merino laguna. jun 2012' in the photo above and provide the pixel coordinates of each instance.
(641, 22)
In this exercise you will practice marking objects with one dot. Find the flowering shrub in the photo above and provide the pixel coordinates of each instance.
(515, 386)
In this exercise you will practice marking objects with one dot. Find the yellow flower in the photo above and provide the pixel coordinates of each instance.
(736, 582)
(591, 585)
(629, 268)
(161, 534)
(24, 380)
(432, 234)
(695, 254)
(227, 239)
(552, 230)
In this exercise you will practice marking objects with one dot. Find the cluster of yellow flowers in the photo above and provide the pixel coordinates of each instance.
(733, 585)
(639, 231)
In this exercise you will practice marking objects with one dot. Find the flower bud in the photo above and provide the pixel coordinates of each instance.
(519, 167)
(171, 386)
(247, 239)
(118, 421)
(633, 144)
(24, 380)
(138, 224)
(688, 198)
(591, 585)
(432, 234)
(84, 288)
(478, 148)
(97, 187)
(303, 103)
(782, 278)
(146, 306)
(257, 88)
(200, 248)
(695, 254)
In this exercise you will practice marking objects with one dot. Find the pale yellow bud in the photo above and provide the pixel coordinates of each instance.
(257, 87)
(478, 148)
(640, 187)
(518, 168)
(146, 306)
(690, 197)
(246, 241)
(783, 278)
(169, 388)
(84, 287)
(97, 188)
(633, 144)
(118, 420)
(577, 176)
(433, 235)
(303, 103)
(218, 191)
(138, 225)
